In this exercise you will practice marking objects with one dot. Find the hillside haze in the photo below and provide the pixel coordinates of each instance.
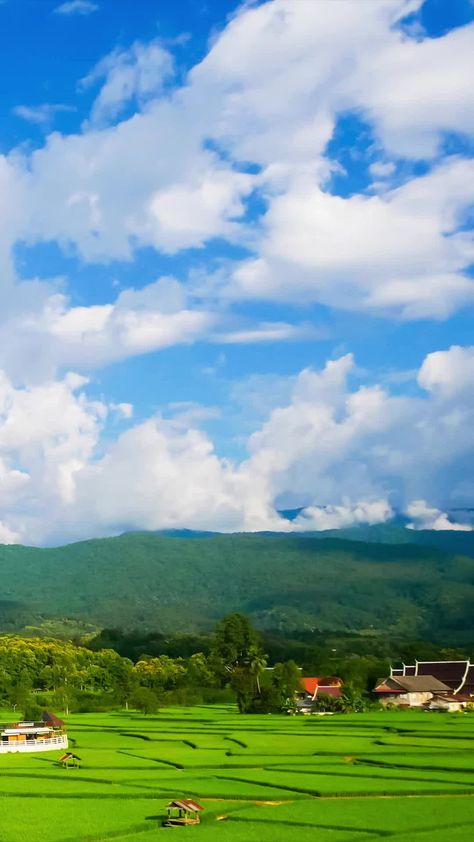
(174, 583)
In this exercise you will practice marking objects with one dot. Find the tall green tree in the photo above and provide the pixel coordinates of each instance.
(234, 638)
(287, 682)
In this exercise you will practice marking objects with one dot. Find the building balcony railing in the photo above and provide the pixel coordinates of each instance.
(59, 741)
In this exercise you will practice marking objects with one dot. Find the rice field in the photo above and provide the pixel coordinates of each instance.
(407, 777)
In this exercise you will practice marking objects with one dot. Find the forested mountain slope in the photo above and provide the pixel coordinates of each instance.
(162, 582)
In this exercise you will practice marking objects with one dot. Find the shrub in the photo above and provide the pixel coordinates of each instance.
(145, 700)
(32, 711)
(86, 702)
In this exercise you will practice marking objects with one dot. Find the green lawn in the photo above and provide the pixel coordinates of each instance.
(406, 777)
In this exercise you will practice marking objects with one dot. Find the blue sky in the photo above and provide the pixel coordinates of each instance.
(236, 264)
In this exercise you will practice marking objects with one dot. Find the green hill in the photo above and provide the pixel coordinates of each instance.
(163, 582)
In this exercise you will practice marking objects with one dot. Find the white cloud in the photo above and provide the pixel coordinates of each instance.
(183, 216)
(108, 192)
(76, 7)
(382, 169)
(43, 114)
(136, 73)
(318, 518)
(7, 536)
(123, 410)
(269, 92)
(446, 373)
(398, 253)
(160, 474)
(427, 517)
(36, 344)
(416, 90)
(12, 202)
(332, 441)
(356, 451)
(305, 62)
(47, 435)
(174, 175)
(269, 332)
(192, 414)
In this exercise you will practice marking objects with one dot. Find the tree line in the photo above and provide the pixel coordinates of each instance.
(233, 664)
(72, 677)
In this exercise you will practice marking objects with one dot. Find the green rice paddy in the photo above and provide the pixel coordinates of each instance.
(406, 777)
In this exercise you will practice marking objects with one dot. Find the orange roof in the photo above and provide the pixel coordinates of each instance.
(311, 684)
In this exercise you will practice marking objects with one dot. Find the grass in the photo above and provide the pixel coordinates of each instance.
(404, 777)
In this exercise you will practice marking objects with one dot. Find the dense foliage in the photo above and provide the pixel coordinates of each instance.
(166, 583)
(37, 671)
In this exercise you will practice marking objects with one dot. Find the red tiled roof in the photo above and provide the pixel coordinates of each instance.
(330, 690)
(51, 719)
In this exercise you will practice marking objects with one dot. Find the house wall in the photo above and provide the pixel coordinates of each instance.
(413, 700)
(452, 707)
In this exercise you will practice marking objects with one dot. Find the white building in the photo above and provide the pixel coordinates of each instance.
(47, 735)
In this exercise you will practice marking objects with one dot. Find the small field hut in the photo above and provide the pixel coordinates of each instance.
(183, 811)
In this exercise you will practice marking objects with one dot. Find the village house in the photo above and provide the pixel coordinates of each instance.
(314, 687)
(447, 702)
(409, 691)
(47, 735)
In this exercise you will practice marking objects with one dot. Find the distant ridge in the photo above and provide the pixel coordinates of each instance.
(449, 540)
(185, 582)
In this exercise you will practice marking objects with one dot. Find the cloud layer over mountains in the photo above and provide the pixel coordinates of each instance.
(334, 441)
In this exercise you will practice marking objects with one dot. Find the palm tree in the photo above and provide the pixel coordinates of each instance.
(256, 662)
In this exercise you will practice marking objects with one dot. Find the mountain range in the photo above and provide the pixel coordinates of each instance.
(380, 578)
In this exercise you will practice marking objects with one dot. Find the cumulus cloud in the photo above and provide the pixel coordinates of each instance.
(446, 373)
(238, 150)
(47, 435)
(187, 215)
(401, 252)
(426, 95)
(357, 451)
(7, 536)
(427, 517)
(318, 518)
(175, 174)
(333, 440)
(311, 61)
(38, 343)
(160, 474)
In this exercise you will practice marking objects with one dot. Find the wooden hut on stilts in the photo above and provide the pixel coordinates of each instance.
(183, 811)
